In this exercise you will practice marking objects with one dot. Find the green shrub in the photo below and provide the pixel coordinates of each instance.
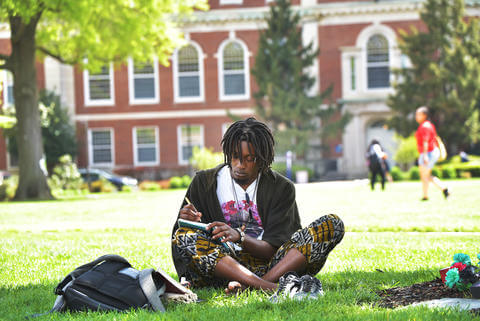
(8, 188)
(406, 153)
(205, 158)
(65, 176)
(127, 189)
(102, 186)
(414, 173)
(437, 172)
(449, 172)
(186, 180)
(176, 182)
(397, 174)
(149, 186)
(473, 168)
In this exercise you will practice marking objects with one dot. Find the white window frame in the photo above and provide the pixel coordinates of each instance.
(176, 87)
(349, 53)
(131, 84)
(224, 2)
(181, 161)
(221, 72)
(393, 56)
(5, 85)
(90, 147)
(98, 102)
(136, 161)
(379, 64)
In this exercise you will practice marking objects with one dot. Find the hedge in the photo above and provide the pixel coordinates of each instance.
(446, 171)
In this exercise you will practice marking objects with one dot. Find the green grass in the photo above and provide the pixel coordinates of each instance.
(393, 231)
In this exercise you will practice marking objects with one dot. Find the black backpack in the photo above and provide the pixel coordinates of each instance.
(109, 283)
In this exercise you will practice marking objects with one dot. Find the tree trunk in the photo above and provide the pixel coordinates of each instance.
(32, 182)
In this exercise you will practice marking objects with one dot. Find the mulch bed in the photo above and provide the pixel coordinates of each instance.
(430, 290)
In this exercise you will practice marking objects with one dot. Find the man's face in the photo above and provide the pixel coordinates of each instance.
(420, 117)
(245, 172)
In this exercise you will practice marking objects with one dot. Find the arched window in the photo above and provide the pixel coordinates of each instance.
(233, 67)
(378, 66)
(189, 73)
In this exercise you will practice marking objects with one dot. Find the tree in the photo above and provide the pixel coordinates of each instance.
(58, 133)
(444, 74)
(102, 31)
(284, 84)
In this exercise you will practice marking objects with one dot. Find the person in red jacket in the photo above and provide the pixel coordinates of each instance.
(427, 146)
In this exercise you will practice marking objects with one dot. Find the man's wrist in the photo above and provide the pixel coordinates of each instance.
(241, 234)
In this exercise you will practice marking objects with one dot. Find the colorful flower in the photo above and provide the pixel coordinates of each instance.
(460, 266)
(452, 277)
(463, 258)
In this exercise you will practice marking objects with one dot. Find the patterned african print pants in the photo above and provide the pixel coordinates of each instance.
(201, 254)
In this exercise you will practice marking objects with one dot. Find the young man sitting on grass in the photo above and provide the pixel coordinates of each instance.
(247, 203)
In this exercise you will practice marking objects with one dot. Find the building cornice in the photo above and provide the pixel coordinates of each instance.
(314, 12)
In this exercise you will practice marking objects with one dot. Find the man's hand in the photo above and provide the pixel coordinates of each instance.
(223, 231)
(190, 213)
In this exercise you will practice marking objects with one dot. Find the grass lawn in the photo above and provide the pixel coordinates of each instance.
(393, 231)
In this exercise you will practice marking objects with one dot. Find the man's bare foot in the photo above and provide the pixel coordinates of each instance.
(234, 287)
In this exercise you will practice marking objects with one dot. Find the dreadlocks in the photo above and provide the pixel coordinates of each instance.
(254, 132)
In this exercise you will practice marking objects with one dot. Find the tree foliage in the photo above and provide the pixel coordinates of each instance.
(284, 84)
(90, 33)
(103, 30)
(444, 74)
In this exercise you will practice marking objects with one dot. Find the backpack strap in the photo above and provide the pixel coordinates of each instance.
(150, 290)
(84, 268)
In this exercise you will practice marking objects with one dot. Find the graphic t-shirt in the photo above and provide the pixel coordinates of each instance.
(239, 206)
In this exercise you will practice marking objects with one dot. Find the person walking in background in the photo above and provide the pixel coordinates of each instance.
(429, 152)
(377, 163)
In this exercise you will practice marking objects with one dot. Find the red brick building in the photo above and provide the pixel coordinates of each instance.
(143, 119)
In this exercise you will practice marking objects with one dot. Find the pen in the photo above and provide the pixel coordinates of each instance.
(190, 203)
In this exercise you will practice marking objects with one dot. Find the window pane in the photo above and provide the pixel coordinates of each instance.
(101, 138)
(10, 99)
(188, 59)
(143, 68)
(189, 86)
(145, 136)
(195, 134)
(13, 160)
(378, 77)
(233, 57)
(190, 136)
(377, 49)
(234, 84)
(99, 88)
(144, 88)
(147, 154)
(187, 152)
(102, 155)
(352, 74)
